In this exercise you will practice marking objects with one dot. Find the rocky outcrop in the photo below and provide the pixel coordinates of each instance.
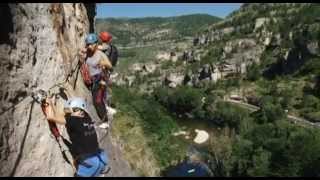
(163, 56)
(238, 54)
(137, 67)
(129, 80)
(313, 48)
(117, 79)
(261, 22)
(149, 68)
(38, 50)
(174, 79)
(166, 56)
(191, 56)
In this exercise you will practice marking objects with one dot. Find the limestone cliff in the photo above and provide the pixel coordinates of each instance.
(39, 45)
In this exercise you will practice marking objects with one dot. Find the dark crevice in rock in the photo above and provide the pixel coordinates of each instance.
(6, 20)
(26, 84)
(19, 65)
(91, 12)
(20, 94)
(6, 96)
(74, 7)
(63, 26)
(10, 66)
(34, 60)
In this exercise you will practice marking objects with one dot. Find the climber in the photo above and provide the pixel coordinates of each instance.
(89, 159)
(108, 48)
(97, 64)
(111, 51)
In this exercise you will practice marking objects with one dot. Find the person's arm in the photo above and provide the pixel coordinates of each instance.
(100, 47)
(82, 55)
(53, 115)
(104, 61)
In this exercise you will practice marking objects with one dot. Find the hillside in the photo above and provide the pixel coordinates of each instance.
(254, 76)
(138, 31)
(253, 51)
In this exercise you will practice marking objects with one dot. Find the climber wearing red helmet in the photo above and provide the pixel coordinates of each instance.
(93, 73)
(111, 51)
(105, 37)
(108, 48)
(105, 42)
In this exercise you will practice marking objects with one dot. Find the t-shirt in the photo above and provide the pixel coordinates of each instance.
(104, 47)
(82, 134)
(93, 62)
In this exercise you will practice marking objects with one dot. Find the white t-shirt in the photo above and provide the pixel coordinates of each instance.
(93, 62)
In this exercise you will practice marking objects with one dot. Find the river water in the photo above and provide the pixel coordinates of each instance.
(187, 168)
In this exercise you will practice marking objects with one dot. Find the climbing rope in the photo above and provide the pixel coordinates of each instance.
(73, 70)
(70, 74)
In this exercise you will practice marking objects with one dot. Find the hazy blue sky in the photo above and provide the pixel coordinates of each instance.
(163, 9)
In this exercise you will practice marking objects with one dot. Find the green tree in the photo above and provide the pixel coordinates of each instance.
(241, 157)
(270, 110)
(185, 99)
(261, 163)
(253, 72)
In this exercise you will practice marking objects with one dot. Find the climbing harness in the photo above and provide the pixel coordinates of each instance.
(93, 167)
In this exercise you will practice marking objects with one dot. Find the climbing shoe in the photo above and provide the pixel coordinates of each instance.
(106, 170)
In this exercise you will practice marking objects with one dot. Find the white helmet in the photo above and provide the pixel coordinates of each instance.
(76, 102)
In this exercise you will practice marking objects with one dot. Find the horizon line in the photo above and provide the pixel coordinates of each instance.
(137, 17)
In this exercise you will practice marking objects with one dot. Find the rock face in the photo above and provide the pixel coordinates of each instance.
(313, 48)
(191, 56)
(38, 49)
(174, 79)
(149, 68)
(137, 67)
(260, 22)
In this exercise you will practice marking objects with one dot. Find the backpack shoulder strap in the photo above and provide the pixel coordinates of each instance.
(111, 47)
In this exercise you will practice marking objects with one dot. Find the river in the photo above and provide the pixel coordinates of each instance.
(188, 167)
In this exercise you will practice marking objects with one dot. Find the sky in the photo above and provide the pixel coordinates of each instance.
(134, 10)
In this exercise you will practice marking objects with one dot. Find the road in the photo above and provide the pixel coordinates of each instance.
(168, 43)
(294, 119)
(140, 46)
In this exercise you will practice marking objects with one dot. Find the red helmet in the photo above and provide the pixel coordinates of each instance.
(105, 37)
